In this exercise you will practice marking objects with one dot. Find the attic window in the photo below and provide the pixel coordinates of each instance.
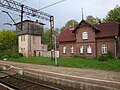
(84, 35)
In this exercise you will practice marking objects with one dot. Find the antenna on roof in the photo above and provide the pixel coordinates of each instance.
(82, 14)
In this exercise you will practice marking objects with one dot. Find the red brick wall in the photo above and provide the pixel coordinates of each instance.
(111, 45)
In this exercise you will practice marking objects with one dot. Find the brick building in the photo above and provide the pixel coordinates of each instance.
(90, 40)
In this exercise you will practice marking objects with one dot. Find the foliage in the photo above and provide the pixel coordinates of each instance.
(110, 64)
(70, 23)
(103, 57)
(46, 37)
(109, 55)
(113, 15)
(90, 19)
(75, 56)
(5, 56)
(8, 39)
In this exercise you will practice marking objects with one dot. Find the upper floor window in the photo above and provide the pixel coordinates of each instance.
(23, 38)
(64, 49)
(104, 48)
(89, 49)
(71, 49)
(81, 49)
(84, 35)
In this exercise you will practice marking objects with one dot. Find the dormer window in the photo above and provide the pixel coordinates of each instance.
(84, 35)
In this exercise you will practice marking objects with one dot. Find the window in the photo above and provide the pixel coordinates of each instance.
(33, 39)
(89, 49)
(104, 49)
(81, 49)
(23, 38)
(84, 35)
(71, 49)
(64, 49)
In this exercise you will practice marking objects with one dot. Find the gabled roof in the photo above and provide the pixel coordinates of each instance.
(67, 36)
(107, 29)
(83, 21)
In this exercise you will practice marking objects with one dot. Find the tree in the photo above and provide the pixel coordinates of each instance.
(72, 23)
(46, 37)
(8, 39)
(113, 15)
(90, 19)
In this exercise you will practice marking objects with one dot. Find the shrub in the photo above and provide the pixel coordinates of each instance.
(5, 56)
(109, 54)
(16, 55)
(75, 56)
(103, 57)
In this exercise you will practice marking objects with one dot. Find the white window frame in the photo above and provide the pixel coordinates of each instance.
(72, 49)
(64, 49)
(84, 35)
(81, 49)
(89, 49)
(23, 38)
(104, 49)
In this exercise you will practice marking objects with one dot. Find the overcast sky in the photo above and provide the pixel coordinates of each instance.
(64, 11)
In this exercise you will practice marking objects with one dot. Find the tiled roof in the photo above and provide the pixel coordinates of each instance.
(85, 22)
(67, 35)
(107, 29)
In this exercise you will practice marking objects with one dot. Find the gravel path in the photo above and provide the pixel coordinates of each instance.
(88, 73)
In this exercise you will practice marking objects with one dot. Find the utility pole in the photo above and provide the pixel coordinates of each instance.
(51, 38)
(22, 16)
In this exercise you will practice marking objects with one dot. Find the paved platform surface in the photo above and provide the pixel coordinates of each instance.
(86, 73)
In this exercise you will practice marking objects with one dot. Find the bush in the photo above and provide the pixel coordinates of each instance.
(109, 54)
(75, 56)
(5, 56)
(16, 55)
(103, 57)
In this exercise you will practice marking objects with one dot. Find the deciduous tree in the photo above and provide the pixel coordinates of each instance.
(113, 15)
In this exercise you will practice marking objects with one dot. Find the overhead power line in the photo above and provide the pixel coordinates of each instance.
(52, 4)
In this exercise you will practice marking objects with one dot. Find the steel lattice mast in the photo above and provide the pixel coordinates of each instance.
(15, 6)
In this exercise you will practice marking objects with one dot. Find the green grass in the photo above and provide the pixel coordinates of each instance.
(111, 64)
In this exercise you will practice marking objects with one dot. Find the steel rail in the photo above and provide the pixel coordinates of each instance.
(24, 80)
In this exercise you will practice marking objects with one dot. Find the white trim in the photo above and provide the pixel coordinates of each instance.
(104, 49)
(72, 49)
(89, 49)
(81, 49)
(84, 35)
(64, 49)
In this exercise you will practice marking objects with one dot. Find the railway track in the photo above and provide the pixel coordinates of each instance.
(18, 82)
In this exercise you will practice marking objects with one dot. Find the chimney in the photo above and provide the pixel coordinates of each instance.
(37, 21)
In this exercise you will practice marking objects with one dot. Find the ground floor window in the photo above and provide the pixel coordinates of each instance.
(64, 49)
(89, 49)
(81, 49)
(104, 48)
(71, 49)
